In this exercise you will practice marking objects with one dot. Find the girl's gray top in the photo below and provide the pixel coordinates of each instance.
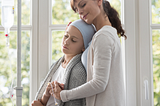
(75, 76)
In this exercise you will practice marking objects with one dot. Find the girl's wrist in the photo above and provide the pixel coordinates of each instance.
(45, 95)
(41, 102)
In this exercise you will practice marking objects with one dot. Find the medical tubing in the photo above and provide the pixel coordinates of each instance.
(53, 92)
(11, 87)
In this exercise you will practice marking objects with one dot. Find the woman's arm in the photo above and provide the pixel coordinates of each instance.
(102, 48)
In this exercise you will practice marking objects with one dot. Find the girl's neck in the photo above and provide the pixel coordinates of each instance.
(67, 59)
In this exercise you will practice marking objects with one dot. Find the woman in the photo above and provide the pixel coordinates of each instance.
(105, 80)
(69, 69)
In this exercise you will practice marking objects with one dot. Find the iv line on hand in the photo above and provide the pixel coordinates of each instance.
(11, 87)
(53, 92)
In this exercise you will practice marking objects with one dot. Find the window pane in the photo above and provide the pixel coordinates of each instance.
(26, 11)
(156, 66)
(62, 12)
(6, 73)
(156, 11)
(117, 4)
(56, 45)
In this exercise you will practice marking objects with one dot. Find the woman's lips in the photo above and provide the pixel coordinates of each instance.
(84, 17)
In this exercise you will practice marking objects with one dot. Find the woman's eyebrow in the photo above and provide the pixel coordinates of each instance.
(80, 3)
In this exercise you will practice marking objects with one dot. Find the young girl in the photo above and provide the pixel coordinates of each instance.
(69, 69)
(105, 80)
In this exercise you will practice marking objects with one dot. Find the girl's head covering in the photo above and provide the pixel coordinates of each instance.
(86, 30)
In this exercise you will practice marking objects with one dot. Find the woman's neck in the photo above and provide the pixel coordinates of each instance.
(101, 21)
(67, 59)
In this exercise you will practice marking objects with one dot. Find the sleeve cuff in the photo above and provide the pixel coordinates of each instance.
(63, 95)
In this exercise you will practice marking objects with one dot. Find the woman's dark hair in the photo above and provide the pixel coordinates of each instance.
(72, 5)
(114, 18)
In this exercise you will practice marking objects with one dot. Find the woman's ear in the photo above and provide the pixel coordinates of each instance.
(99, 2)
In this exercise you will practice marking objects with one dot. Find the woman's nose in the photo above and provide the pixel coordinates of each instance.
(79, 11)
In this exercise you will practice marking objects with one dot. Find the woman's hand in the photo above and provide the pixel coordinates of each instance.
(37, 103)
(56, 90)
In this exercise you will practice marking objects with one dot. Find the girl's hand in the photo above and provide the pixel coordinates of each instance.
(61, 85)
(48, 88)
(56, 90)
(37, 103)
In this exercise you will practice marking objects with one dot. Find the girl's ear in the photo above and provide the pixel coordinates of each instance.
(83, 49)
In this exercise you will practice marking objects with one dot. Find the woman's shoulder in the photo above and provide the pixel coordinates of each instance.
(107, 30)
(106, 33)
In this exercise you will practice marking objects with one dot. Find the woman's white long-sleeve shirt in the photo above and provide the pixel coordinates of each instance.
(105, 76)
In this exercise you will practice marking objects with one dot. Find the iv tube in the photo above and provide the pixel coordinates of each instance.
(53, 92)
(11, 87)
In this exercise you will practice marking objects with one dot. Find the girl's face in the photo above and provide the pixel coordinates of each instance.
(88, 10)
(72, 42)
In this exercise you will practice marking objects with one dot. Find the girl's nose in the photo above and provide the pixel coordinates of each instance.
(66, 41)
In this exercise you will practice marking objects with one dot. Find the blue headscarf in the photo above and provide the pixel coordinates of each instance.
(86, 30)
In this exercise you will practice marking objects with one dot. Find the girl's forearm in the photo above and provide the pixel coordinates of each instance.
(45, 99)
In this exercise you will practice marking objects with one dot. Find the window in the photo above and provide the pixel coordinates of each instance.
(156, 50)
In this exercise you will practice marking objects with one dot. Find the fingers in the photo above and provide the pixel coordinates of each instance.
(62, 86)
(51, 92)
(34, 102)
(37, 103)
(57, 87)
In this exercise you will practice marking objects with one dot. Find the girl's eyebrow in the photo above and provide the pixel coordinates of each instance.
(71, 35)
(74, 37)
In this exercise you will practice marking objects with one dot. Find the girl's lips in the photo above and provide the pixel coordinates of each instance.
(65, 47)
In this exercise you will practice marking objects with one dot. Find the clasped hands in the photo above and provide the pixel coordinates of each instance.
(57, 88)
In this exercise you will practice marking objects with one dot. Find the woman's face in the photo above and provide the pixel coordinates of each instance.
(88, 10)
(72, 42)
